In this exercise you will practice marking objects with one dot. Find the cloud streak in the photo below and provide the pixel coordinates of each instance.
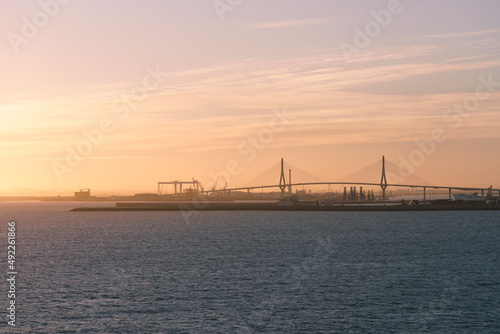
(462, 34)
(290, 23)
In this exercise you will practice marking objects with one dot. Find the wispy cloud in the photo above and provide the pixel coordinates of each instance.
(463, 34)
(472, 57)
(216, 107)
(289, 23)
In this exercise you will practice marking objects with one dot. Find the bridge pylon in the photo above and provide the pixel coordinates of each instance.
(290, 181)
(383, 179)
(282, 180)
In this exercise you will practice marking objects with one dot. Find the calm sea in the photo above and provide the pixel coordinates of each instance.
(252, 272)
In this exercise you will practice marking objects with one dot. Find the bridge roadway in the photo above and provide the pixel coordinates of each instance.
(360, 184)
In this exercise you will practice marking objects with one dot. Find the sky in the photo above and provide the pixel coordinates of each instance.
(118, 95)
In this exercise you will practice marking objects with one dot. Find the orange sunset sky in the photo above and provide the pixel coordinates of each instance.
(118, 95)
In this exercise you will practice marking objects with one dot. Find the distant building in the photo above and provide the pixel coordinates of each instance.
(82, 194)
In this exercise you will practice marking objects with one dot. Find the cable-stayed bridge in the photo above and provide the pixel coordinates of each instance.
(286, 186)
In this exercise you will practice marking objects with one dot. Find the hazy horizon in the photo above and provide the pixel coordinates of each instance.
(117, 96)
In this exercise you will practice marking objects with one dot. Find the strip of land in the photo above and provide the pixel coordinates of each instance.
(229, 206)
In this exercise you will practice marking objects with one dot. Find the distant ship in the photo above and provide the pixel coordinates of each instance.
(468, 198)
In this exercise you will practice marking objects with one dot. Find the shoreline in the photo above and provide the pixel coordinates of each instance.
(275, 207)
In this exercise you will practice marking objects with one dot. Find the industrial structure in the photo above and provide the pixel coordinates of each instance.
(82, 194)
(162, 186)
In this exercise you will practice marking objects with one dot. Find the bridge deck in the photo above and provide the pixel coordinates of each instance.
(355, 183)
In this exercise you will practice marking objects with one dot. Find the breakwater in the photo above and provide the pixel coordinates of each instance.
(234, 206)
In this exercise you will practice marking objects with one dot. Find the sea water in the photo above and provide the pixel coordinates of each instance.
(251, 271)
